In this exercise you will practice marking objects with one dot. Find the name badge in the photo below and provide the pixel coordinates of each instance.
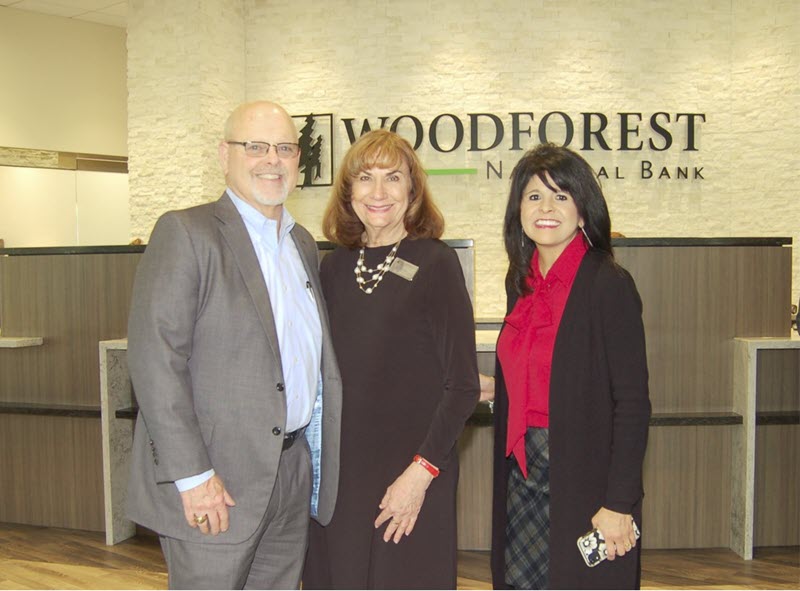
(404, 269)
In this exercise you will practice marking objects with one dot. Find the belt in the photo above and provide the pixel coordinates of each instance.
(290, 438)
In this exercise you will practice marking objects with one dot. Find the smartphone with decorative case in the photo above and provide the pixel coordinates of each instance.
(592, 546)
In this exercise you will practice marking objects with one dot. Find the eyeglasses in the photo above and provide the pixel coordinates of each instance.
(261, 149)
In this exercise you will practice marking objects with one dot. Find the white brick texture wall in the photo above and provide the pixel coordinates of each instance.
(186, 65)
(736, 61)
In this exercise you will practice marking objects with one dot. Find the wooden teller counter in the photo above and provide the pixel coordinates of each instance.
(722, 462)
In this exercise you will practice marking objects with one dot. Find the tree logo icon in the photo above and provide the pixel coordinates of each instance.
(316, 149)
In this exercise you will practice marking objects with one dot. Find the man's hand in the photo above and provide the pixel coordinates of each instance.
(206, 506)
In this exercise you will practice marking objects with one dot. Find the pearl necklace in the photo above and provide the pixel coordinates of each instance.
(369, 285)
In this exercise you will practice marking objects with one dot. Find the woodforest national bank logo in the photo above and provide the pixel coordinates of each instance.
(315, 132)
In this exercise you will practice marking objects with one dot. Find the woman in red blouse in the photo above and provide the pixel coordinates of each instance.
(571, 403)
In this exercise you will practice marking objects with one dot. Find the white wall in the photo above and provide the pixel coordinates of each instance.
(64, 84)
(41, 207)
(64, 89)
(736, 61)
(37, 207)
(102, 211)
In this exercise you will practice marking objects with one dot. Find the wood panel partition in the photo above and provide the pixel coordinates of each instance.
(697, 294)
(50, 444)
(696, 300)
(51, 471)
(777, 461)
(72, 301)
(777, 486)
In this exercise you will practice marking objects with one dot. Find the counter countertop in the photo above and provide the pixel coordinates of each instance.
(18, 342)
(463, 243)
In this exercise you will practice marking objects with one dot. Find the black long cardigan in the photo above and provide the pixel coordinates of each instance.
(599, 415)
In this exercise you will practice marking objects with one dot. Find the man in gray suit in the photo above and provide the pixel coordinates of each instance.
(230, 355)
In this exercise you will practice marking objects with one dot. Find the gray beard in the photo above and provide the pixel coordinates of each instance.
(275, 201)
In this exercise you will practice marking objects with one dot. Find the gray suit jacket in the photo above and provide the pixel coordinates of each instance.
(206, 370)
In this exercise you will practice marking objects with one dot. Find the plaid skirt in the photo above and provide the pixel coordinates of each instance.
(528, 516)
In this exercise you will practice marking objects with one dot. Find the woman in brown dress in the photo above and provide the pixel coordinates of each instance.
(403, 330)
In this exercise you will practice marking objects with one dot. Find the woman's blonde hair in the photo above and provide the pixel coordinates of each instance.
(379, 149)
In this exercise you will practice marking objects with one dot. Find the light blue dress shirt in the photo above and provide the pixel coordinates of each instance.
(296, 315)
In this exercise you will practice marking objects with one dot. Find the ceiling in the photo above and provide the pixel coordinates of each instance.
(106, 12)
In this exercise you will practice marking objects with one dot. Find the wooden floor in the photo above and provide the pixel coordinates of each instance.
(48, 558)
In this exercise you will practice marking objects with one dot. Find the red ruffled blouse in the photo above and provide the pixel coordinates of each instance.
(525, 346)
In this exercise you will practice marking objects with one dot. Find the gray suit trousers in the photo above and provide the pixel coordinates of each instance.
(272, 558)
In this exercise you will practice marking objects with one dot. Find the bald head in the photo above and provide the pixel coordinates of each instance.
(263, 181)
(247, 113)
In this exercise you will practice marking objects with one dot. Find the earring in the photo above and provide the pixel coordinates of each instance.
(589, 240)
